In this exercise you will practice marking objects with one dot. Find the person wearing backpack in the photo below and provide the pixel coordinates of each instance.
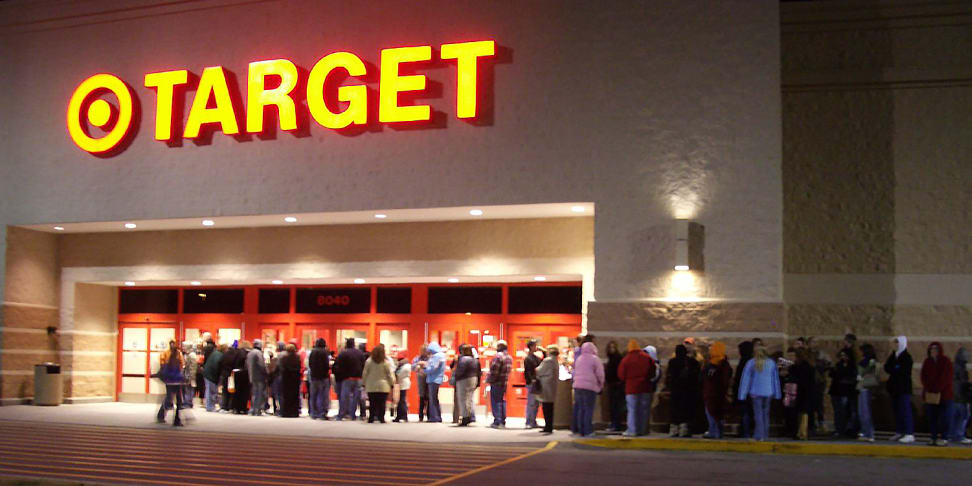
(171, 363)
(866, 386)
(637, 371)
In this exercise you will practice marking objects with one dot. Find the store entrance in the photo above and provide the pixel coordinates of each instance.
(519, 336)
(141, 346)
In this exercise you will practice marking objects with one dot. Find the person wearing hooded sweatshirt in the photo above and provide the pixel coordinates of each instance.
(588, 382)
(256, 367)
(319, 391)
(898, 367)
(637, 371)
(743, 407)
(937, 375)
(349, 365)
(961, 390)
(615, 387)
(434, 373)
(211, 374)
(682, 382)
(761, 382)
(716, 380)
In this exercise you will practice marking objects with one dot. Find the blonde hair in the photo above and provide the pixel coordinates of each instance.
(760, 357)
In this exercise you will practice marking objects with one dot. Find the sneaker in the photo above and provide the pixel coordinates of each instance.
(865, 439)
(896, 437)
(588, 436)
(628, 434)
(494, 426)
(966, 440)
(941, 442)
(908, 439)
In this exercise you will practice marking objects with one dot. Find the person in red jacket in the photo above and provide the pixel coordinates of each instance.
(716, 379)
(936, 383)
(638, 371)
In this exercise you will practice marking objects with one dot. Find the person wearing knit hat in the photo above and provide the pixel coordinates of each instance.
(716, 379)
(637, 369)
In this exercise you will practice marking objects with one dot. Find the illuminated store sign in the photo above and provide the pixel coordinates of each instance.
(277, 83)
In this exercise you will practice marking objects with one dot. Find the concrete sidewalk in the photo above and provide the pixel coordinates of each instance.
(142, 415)
(918, 450)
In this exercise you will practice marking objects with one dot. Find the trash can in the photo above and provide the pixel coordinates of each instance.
(48, 387)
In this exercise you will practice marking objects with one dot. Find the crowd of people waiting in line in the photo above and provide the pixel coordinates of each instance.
(243, 378)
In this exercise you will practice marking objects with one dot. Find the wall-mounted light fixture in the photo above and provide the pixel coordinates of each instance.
(689, 246)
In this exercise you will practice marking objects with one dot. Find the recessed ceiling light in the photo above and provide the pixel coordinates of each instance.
(129, 284)
(276, 282)
(290, 219)
(469, 313)
(453, 280)
(476, 212)
(381, 216)
(359, 280)
(58, 228)
(131, 225)
(578, 209)
(540, 278)
(195, 282)
(208, 222)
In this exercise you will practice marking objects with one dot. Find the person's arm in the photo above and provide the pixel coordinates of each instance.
(365, 372)
(777, 393)
(599, 373)
(744, 379)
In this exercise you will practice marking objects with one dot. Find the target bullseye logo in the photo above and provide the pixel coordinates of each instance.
(99, 113)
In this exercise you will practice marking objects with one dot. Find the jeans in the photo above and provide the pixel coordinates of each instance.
(531, 411)
(746, 418)
(376, 406)
(638, 406)
(350, 392)
(715, 425)
(584, 411)
(903, 421)
(548, 416)
(864, 413)
(423, 404)
(938, 418)
(616, 402)
(960, 419)
(258, 397)
(211, 396)
(188, 393)
(842, 416)
(170, 392)
(435, 411)
(497, 401)
(320, 397)
(761, 409)
(401, 413)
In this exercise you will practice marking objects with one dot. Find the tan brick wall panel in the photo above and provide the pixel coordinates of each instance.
(692, 317)
(30, 317)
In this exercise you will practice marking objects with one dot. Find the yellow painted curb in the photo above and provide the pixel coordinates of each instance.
(802, 448)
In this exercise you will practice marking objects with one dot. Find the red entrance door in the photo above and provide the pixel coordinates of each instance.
(519, 336)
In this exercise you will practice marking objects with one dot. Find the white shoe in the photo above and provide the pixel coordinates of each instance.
(865, 439)
(896, 437)
(908, 439)
(941, 442)
(966, 441)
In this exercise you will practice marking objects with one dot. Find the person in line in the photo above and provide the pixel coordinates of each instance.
(225, 372)
(898, 367)
(403, 375)
(588, 382)
(866, 386)
(378, 380)
(362, 395)
(693, 351)
(937, 375)
(843, 388)
(682, 383)
(800, 375)
(419, 364)
(963, 394)
(434, 373)
(853, 420)
(288, 365)
(743, 407)
(761, 383)
(242, 379)
(468, 375)
(190, 370)
(530, 363)
(319, 368)
(637, 372)
(614, 387)
(350, 365)
(821, 366)
(716, 380)
(211, 374)
(545, 386)
(171, 363)
(275, 380)
(256, 367)
(499, 375)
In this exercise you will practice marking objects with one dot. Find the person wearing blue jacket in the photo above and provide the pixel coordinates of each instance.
(760, 382)
(433, 378)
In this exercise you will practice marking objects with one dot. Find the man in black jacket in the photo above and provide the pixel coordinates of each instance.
(319, 363)
(530, 364)
(349, 366)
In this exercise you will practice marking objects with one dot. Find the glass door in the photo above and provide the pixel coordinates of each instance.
(141, 350)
